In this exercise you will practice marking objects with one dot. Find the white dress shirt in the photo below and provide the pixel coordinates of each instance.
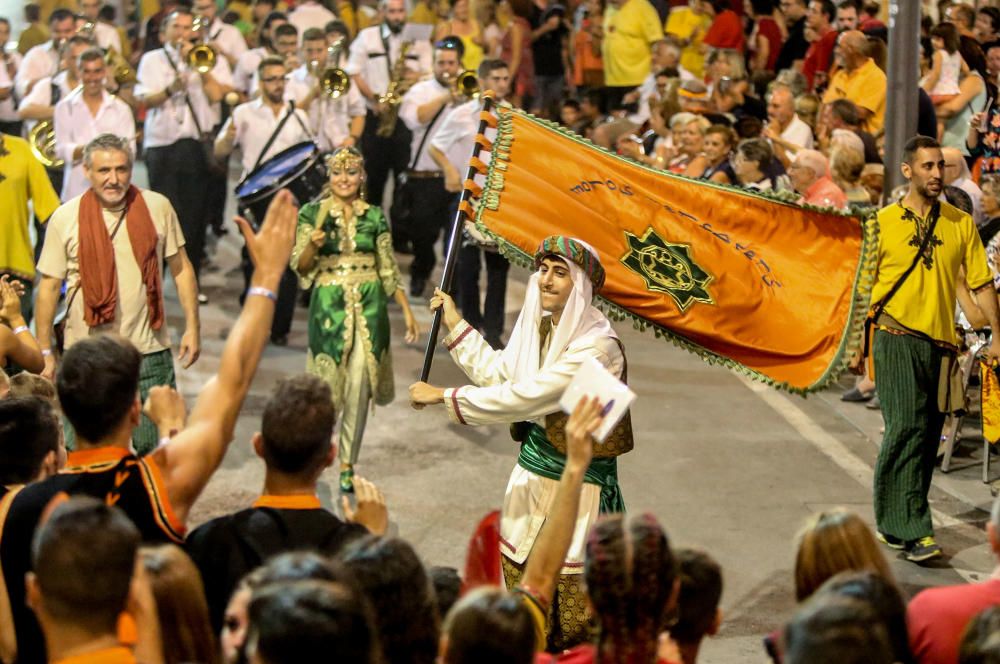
(418, 95)
(107, 37)
(368, 57)
(8, 107)
(40, 61)
(246, 68)
(75, 126)
(798, 133)
(168, 123)
(41, 95)
(310, 14)
(255, 122)
(457, 134)
(228, 38)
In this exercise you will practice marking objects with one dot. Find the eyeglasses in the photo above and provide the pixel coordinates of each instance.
(272, 79)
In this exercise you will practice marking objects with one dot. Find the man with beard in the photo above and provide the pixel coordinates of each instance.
(109, 244)
(424, 109)
(251, 126)
(915, 341)
(374, 54)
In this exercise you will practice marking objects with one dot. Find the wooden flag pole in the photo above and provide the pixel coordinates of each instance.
(464, 212)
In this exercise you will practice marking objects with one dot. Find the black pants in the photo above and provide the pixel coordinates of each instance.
(178, 171)
(12, 128)
(56, 180)
(491, 318)
(383, 155)
(288, 290)
(429, 216)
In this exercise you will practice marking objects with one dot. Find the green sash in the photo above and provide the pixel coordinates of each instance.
(540, 457)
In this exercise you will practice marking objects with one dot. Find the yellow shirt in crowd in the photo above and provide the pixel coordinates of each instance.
(628, 32)
(684, 23)
(22, 178)
(926, 300)
(866, 87)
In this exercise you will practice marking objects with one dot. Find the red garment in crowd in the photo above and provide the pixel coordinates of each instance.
(937, 617)
(584, 654)
(769, 30)
(819, 57)
(524, 80)
(824, 192)
(726, 31)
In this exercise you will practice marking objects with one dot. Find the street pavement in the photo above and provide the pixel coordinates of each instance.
(726, 465)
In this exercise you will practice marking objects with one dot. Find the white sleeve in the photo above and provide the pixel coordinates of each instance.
(63, 122)
(34, 66)
(232, 42)
(153, 74)
(517, 401)
(355, 102)
(449, 131)
(243, 71)
(476, 358)
(40, 95)
(408, 108)
(222, 73)
(358, 55)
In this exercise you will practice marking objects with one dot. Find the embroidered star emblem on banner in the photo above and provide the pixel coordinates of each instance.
(668, 267)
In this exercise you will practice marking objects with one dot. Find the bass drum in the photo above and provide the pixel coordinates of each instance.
(301, 169)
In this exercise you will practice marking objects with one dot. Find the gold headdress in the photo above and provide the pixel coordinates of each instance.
(345, 158)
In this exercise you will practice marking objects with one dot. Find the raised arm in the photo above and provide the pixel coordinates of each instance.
(192, 456)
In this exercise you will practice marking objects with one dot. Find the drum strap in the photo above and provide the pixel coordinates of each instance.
(427, 134)
(277, 130)
(187, 99)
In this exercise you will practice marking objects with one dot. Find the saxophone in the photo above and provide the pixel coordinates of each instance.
(394, 94)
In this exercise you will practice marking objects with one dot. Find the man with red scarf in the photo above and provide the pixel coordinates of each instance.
(109, 244)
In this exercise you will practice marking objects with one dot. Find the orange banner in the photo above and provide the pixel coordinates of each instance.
(770, 289)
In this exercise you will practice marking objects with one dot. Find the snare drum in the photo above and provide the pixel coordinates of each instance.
(300, 169)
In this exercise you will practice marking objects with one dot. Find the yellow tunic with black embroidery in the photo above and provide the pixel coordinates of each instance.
(353, 277)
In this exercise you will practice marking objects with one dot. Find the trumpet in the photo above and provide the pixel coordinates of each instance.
(123, 73)
(201, 57)
(466, 84)
(42, 139)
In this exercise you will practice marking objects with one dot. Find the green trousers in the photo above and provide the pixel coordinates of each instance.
(156, 369)
(906, 373)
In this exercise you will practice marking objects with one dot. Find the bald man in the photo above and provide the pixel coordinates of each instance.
(810, 175)
(956, 174)
(858, 79)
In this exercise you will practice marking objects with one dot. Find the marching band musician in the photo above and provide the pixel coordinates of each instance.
(451, 148)
(183, 108)
(43, 60)
(103, 34)
(263, 128)
(40, 103)
(246, 65)
(224, 38)
(423, 110)
(10, 61)
(374, 55)
(83, 114)
(336, 122)
(286, 43)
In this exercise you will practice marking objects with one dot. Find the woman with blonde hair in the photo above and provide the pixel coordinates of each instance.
(835, 541)
(846, 164)
(185, 627)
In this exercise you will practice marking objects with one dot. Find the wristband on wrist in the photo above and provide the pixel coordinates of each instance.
(260, 290)
(21, 328)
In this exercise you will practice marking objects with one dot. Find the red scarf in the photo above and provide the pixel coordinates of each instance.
(98, 276)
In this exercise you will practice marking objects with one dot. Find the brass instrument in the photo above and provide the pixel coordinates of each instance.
(393, 96)
(119, 67)
(466, 84)
(42, 139)
(333, 80)
(201, 57)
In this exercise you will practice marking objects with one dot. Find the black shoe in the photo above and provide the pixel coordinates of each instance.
(417, 286)
(854, 395)
(279, 339)
(923, 549)
(890, 541)
(402, 247)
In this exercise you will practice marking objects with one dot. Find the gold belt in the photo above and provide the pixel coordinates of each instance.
(345, 270)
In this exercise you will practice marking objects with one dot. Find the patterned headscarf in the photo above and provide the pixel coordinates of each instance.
(575, 250)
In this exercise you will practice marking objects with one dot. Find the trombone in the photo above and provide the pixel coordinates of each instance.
(334, 81)
(466, 84)
(201, 57)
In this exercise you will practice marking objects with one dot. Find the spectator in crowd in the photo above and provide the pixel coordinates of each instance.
(31, 446)
(447, 587)
(846, 165)
(963, 15)
(550, 54)
(937, 617)
(983, 138)
(34, 31)
(764, 42)
(18, 347)
(810, 176)
(489, 625)
(293, 622)
(516, 50)
(956, 174)
(698, 612)
(786, 131)
(990, 184)
(726, 30)
(842, 114)
(752, 162)
(79, 614)
(793, 23)
(395, 581)
(294, 443)
(883, 597)
(185, 630)
(688, 24)
(463, 25)
(848, 15)
(858, 80)
(720, 140)
(973, 95)
(630, 29)
(820, 19)
(980, 644)
(836, 630)
(588, 65)
(689, 136)
(987, 26)
(992, 51)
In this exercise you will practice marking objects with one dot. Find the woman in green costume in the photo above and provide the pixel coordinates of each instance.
(343, 250)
